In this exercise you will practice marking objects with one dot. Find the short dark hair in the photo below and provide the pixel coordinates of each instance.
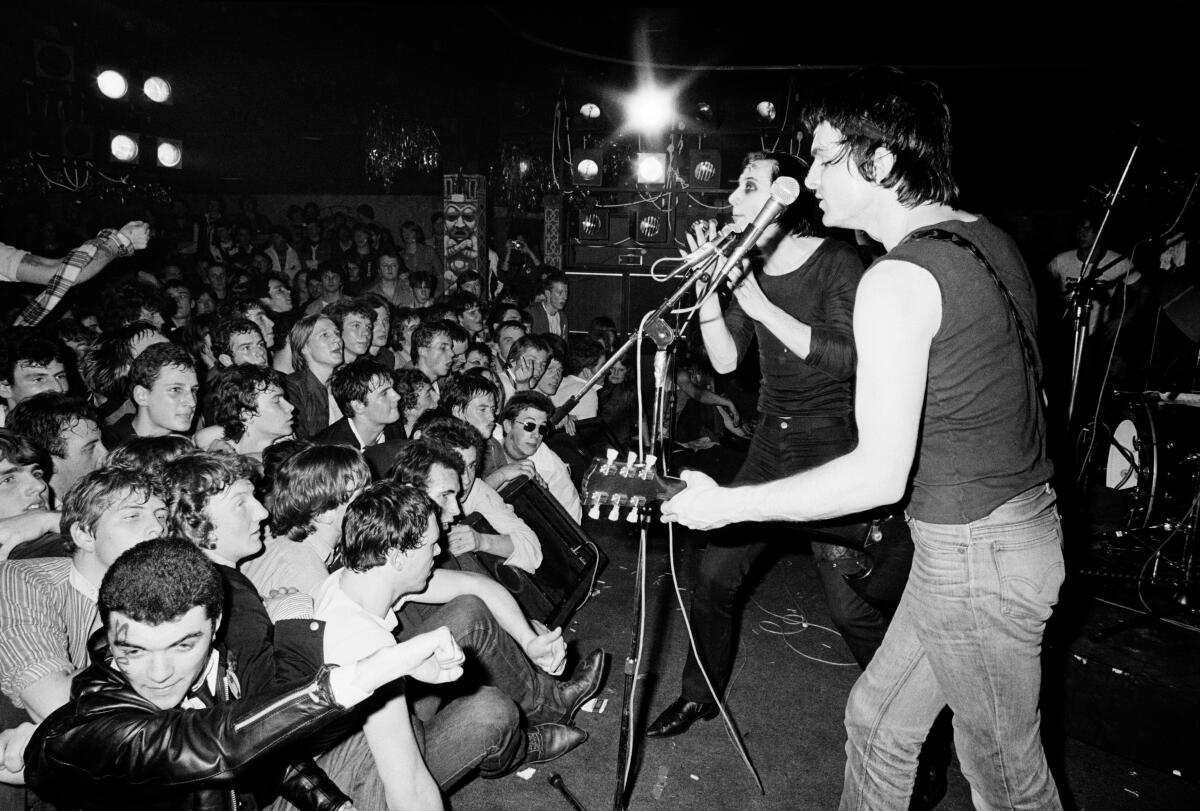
(124, 303)
(455, 434)
(481, 348)
(523, 400)
(45, 417)
(311, 481)
(236, 393)
(160, 580)
(222, 336)
(555, 277)
(148, 366)
(17, 449)
(148, 454)
(460, 389)
(29, 347)
(803, 217)
(190, 481)
(408, 382)
(386, 516)
(881, 106)
(527, 342)
(351, 382)
(95, 493)
(584, 354)
(420, 278)
(105, 369)
(338, 312)
(462, 301)
(416, 459)
(457, 332)
(425, 334)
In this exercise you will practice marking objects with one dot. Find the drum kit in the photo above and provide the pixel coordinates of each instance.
(1143, 493)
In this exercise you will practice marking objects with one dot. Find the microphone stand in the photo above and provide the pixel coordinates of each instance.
(1081, 297)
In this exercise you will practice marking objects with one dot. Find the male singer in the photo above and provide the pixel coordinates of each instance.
(943, 365)
(799, 303)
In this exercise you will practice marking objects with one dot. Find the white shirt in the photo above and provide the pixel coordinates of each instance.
(588, 405)
(351, 632)
(556, 474)
(10, 261)
(527, 550)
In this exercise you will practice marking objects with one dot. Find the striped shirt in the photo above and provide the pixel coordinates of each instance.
(47, 612)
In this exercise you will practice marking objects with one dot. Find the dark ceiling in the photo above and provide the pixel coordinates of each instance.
(274, 96)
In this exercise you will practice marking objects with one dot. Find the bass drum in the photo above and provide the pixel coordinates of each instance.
(1149, 451)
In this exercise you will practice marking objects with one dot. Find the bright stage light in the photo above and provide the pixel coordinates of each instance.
(590, 110)
(157, 89)
(587, 169)
(123, 146)
(651, 167)
(766, 111)
(169, 153)
(650, 109)
(112, 84)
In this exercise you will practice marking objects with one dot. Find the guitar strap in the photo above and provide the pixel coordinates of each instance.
(1031, 357)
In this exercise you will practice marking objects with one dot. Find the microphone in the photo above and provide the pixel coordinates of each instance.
(784, 191)
(707, 251)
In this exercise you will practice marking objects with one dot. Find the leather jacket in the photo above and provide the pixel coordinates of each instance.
(109, 748)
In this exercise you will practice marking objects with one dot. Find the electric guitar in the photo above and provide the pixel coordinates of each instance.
(612, 488)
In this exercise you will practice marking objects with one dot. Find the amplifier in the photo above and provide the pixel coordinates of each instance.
(571, 561)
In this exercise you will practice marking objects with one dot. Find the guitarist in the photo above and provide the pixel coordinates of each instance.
(799, 303)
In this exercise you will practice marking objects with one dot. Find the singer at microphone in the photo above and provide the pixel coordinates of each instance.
(797, 299)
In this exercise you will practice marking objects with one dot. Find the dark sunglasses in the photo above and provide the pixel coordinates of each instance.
(532, 426)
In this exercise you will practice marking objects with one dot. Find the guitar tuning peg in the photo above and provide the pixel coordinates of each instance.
(635, 504)
(631, 459)
(594, 512)
(650, 460)
(615, 512)
(611, 454)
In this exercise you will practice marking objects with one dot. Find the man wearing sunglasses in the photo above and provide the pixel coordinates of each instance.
(525, 421)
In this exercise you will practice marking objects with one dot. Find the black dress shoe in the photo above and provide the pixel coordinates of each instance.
(550, 741)
(678, 718)
(589, 676)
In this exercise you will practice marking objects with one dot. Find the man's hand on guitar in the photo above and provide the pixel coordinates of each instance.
(702, 505)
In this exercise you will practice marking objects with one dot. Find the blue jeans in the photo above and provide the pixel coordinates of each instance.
(480, 731)
(967, 633)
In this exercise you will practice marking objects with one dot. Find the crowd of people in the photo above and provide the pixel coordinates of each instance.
(236, 474)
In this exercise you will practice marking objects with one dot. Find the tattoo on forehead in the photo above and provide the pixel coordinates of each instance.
(120, 638)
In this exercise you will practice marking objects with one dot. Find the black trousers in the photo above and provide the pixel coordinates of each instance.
(781, 446)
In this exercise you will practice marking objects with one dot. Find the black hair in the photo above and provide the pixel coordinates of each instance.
(460, 389)
(94, 494)
(190, 481)
(235, 396)
(227, 328)
(148, 366)
(310, 481)
(45, 417)
(454, 433)
(386, 516)
(523, 400)
(424, 335)
(159, 581)
(28, 347)
(351, 382)
(416, 459)
(148, 454)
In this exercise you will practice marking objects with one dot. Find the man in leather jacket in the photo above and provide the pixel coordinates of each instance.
(156, 721)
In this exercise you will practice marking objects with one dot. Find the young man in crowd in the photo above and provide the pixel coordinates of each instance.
(390, 539)
(28, 527)
(316, 344)
(163, 387)
(308, 499)
(524, 364)
(550, 315)
(583, 359)
(365, 393)
(68, 430)
(239, 342)
(433, 352)
(30, 362)
(506, 535)
(524, 423)
(48, 605)
(331, 290)
(356, 320)
(250, 406)
(159, 675)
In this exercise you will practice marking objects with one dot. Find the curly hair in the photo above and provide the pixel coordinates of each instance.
(161, 580)
(408, 383)
(236, 394)
(190, 481)
(315, 479)
(46, 416)
(386, 516)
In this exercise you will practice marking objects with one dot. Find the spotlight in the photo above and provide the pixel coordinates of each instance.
(650, 226)
(650, 109)
(589, 168)
(112, 84)
(592, 226)
(157, 89)
(169, 153)
(766, 111)
(651, 168)
(704, 169)
(123, 146)
(590, 110)
(523, 168)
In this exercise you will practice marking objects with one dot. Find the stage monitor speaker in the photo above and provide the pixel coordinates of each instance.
(704, 169)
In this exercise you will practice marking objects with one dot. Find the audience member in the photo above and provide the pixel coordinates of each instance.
(67, 429)
(366, 395)
(316, 346)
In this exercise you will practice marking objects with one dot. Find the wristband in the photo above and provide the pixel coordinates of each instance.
(124, 245)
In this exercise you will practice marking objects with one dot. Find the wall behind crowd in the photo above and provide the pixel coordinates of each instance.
(390, 209)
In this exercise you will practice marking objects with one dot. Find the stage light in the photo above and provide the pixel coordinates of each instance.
(112, 84)
(123, 146)
(592, 225)
(704, 112)
(766, 111)
(650, 109)
(651, 168)
(588, 169)
(157, 89)
(169, 153)
(704, 169)
(650, 226)
(590, 110)
(522, 168)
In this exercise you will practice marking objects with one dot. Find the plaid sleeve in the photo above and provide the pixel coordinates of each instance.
(68, 272)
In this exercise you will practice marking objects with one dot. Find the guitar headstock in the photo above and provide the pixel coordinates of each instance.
(629, 484)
